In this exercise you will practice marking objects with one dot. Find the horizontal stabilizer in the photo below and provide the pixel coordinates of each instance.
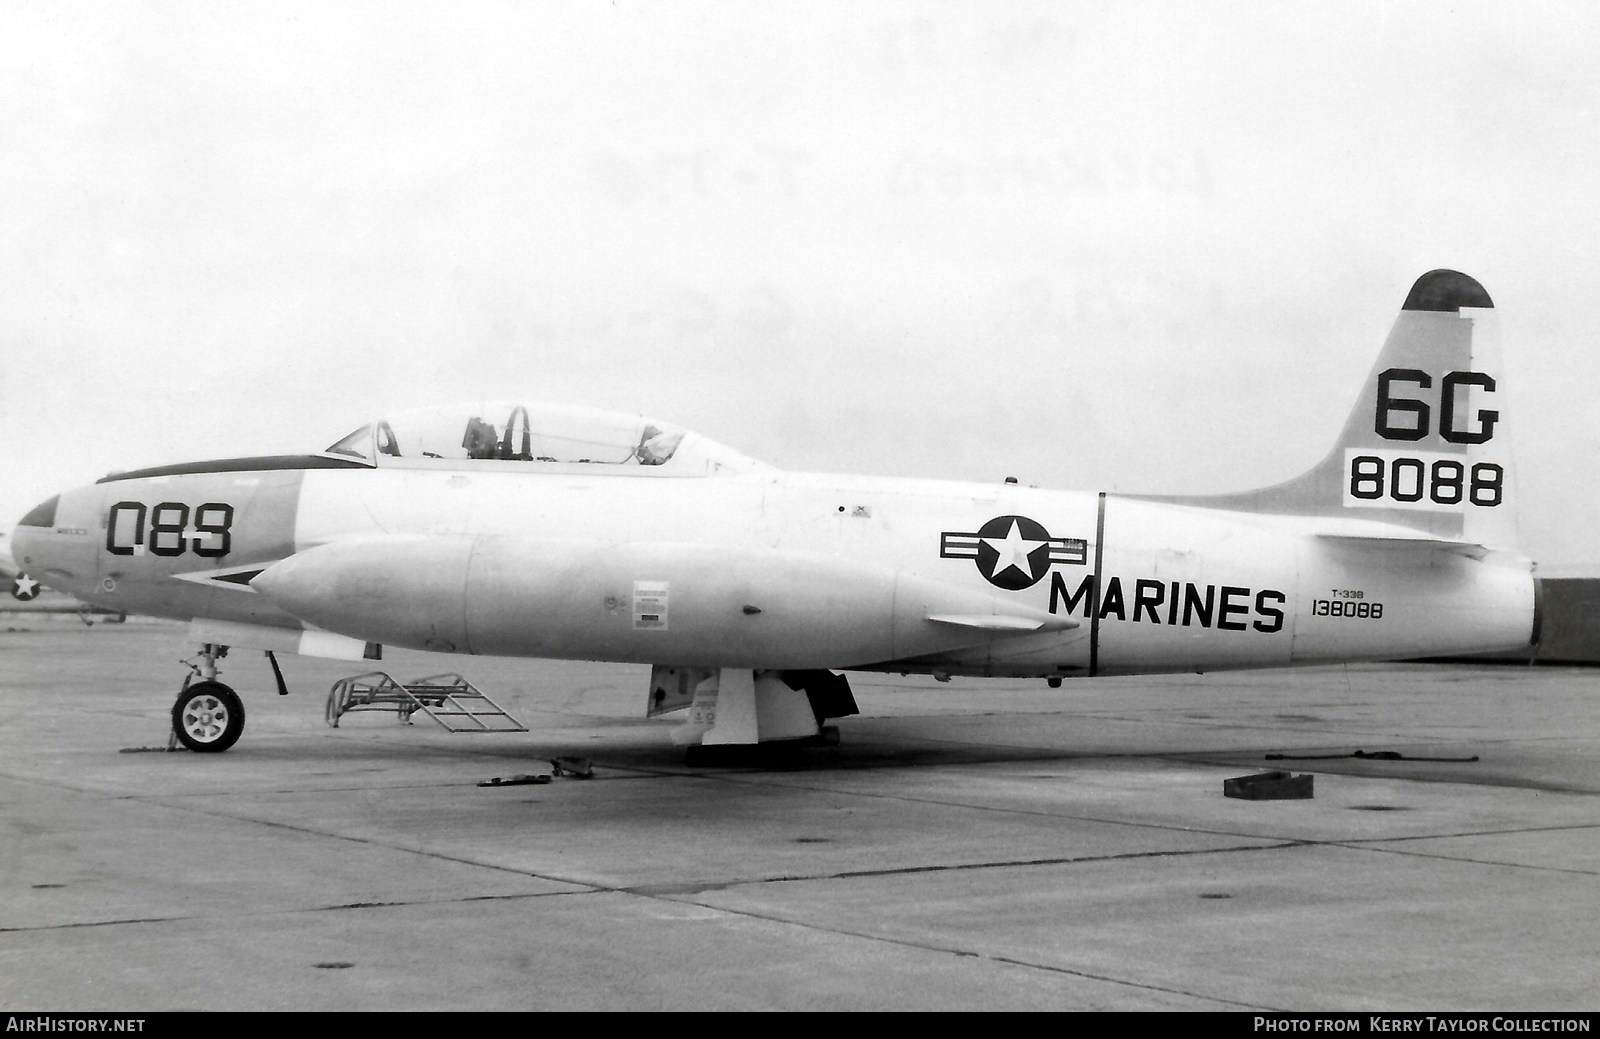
(1003, 625)
(1404, 543)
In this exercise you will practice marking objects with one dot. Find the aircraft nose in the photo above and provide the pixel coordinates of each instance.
(27, 540)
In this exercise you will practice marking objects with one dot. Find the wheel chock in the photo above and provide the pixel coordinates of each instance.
(577, 768)
(520, 780)
(1268, 786)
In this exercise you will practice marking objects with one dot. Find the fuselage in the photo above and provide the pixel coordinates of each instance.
(766, 569)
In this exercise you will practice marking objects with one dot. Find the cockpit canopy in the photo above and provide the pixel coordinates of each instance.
(505, 433)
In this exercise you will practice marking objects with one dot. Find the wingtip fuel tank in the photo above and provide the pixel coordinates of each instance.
(647, 602)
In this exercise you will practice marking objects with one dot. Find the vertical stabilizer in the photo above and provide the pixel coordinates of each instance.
(1425, 446)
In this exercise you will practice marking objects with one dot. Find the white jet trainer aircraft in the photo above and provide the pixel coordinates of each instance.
(552, 531)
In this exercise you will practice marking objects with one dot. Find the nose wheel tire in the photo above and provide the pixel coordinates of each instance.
(208, 717)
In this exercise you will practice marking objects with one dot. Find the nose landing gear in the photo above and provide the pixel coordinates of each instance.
(208, 716)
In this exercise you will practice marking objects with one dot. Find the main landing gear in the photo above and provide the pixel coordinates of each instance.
(208, 716)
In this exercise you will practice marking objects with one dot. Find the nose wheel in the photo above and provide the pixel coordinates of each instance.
(208, 717)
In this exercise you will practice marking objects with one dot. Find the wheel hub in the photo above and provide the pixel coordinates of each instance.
(205, 718)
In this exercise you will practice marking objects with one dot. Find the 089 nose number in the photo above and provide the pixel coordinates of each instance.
(170, 528)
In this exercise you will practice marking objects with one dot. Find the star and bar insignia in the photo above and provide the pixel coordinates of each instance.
(1013, 552)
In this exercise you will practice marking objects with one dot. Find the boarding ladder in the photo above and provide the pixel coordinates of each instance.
(450, 700)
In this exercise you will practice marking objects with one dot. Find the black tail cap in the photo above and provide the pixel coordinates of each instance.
(1447, 291)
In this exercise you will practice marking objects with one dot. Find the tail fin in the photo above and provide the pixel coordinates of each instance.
(1425, 445)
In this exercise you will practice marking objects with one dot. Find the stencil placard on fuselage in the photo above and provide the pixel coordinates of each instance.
(650, 605)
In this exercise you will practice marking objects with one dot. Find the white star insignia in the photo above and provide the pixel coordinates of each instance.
(1014, 550)
(24, 587)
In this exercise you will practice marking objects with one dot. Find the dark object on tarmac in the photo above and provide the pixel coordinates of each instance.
(522, 780)
(1268, 786)
(577, 768)
(1376, 755)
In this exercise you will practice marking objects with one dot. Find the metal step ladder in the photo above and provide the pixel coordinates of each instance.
(450, 700)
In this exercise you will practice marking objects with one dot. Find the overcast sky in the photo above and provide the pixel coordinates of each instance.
(1121, 246)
